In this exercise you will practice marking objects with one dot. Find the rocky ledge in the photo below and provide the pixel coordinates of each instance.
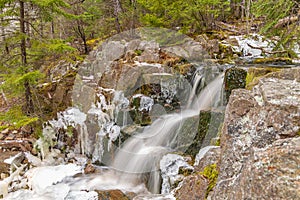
(259, 145)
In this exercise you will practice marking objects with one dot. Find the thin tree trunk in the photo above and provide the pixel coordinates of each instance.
(52, 29)
(3, 33)
(28, 95)
(117, 10)
(81, 33)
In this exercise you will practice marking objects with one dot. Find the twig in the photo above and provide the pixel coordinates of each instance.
(226, 27)
(265, 51)
(286, 21)
(4, 97)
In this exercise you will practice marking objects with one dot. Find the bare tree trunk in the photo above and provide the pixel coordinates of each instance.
(81, 33)
(236, 7)
(117, 11)
(52, 29)
(28, 95)
(243, 10)
(134, 15)
(3, 33)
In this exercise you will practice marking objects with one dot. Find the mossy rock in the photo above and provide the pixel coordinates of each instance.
(208, 127)
(185, 171)
(276, 60)
(225, 51)
(141, 117)
(254, 74)
(234, 78)
(184, 68)
(211, 173)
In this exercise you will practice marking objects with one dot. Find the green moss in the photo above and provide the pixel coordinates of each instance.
(272, 60)
(218, 142)
(4, 127)
(185, 171)
(254, 74)
(93, 42)
(211, 173)
(183, 69)
(69, 131)
(208, 124)
(225, 53)
(139, 117)
(138, 52)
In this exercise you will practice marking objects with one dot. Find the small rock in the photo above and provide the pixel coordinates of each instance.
(10, 137)
(5, 131)
(89, 169)
(26, 129)
(3, 176)
(193, 187)
(112, 195)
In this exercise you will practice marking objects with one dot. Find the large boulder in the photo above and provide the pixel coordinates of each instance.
(56, 95)
(260, 141)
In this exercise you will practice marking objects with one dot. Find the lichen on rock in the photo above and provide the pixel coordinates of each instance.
(259, 142)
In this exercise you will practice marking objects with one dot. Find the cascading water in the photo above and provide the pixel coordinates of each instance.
(101, 113)
(137, 160)
(141, 153)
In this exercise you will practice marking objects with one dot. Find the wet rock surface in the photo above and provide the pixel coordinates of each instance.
(208, 124)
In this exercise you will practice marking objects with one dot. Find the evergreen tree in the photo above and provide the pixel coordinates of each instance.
(20, 54)
(190, 16)
(281, 18)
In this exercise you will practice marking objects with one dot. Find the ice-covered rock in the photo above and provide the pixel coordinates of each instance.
(40, 178)
(254, 40)
(169, 166)
(82, 195)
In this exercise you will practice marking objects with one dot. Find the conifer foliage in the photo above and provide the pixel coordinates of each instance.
(36, 33)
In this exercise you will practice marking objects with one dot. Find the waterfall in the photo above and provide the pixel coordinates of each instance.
(141, 153)
(137, 161)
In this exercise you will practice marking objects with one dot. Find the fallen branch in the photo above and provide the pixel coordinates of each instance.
(7, 181)
(265, 51)
(4, 97)
(24, 145)
(226, 27)
(286, 21)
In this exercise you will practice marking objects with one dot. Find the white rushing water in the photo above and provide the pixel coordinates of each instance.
(141, 153)
(137, 161)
